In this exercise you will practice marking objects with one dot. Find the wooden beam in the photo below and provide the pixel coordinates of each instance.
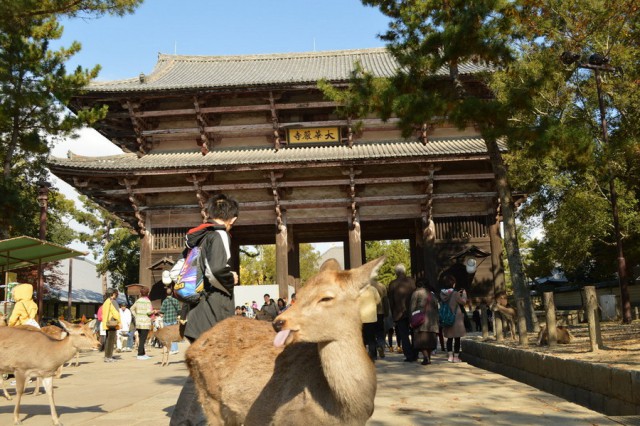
(236, 109)
(245, 128)
(342, 202)
(295, 184)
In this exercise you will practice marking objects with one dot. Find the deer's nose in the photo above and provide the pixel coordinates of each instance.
(277, 325)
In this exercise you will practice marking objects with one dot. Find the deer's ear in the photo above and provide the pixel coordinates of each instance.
(66, 325)
(330, 265)
(362, 276)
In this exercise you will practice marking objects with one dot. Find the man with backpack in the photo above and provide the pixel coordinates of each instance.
(216, 301)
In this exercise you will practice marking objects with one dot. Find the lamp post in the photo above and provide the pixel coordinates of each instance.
(43, 201)
(599, 64)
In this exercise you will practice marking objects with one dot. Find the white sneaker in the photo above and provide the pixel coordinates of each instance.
(173, 352)
(143, 357)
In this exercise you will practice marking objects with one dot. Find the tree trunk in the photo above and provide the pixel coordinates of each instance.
(510, 234)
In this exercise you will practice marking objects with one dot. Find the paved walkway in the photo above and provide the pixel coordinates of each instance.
(131, 392)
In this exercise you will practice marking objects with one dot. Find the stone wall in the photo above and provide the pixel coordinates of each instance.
(611, 391)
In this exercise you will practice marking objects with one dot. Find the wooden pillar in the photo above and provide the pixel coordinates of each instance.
(496, 257)
(294, 258)
(355, 245)
(145, 274)
(550, 309)
(282, 260)
(429, 253)
(592, 317)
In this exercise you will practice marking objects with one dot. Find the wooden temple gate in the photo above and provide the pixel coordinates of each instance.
(257, 128)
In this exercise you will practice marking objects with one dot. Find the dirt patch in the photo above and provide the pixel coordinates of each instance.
(621, 345)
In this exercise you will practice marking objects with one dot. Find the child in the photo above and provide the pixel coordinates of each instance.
(25, 309)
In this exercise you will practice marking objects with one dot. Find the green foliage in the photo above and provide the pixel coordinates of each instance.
(559, 156)
(35, 86)
(258, 264)
(99, 223)
(121, 258)
(396, 251)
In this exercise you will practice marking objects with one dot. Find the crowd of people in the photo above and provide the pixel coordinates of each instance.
(410, 310)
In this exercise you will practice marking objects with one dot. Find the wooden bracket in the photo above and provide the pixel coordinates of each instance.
(80, 183)
(129, 183)
(201, 194)
(138, 127)
(274, 122)
(205, 141)
(280, 212)
(425, 131)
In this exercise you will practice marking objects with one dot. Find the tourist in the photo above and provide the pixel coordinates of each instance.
(170, 310)
(425, 336)
(125, 327)
(400, 291)
(269, 308)
(454, 332)
(110, 323)
(217, 303)
(368, 301)
(25, 309)
(477, 319)
(142, 311)
(383, 311)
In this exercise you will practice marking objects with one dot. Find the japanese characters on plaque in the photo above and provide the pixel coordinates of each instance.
(313, 135)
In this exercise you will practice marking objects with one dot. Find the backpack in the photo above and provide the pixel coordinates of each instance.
(187, 276)
(446, 315)
(188, 283)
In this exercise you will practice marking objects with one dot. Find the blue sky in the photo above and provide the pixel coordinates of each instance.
(129, 45)
(126, 46)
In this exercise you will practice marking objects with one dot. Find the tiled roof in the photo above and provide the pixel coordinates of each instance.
(210, 72)
(267, 156)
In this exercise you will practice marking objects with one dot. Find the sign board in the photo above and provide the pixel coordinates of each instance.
(313, 135)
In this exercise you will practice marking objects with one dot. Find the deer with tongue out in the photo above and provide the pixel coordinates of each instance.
(315, 370)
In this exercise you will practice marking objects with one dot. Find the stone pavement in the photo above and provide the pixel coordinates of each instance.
(131, 392)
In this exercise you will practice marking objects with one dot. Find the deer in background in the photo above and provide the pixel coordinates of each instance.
(166, 335)
(29, 354)
(315, 370)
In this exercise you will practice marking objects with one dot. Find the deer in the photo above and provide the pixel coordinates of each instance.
(16, 346)
(315, 370)
(166, 335)
(563, 335)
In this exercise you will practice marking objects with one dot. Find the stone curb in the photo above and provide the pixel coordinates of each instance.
(611, 391)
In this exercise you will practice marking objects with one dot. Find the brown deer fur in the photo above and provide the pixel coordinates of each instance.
(17, 349)
(562, 333)
(322, 376)
(166, 335)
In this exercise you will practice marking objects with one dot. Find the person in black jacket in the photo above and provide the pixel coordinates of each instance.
(216, 302)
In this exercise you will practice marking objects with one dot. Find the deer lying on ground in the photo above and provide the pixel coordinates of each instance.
(29, 354)
(563, 334)
(501, 305)
(166, 335)
(315, 371)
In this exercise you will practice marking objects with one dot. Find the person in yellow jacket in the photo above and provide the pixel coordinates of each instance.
(25, 309)
(110, 312)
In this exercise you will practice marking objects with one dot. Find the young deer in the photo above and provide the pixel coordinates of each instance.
(317, 370)
(166, 335)
(17, 349)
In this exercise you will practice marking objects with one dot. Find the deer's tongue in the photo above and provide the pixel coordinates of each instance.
(280, 338)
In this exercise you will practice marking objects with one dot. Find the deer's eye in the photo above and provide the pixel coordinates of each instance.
(326, 299)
